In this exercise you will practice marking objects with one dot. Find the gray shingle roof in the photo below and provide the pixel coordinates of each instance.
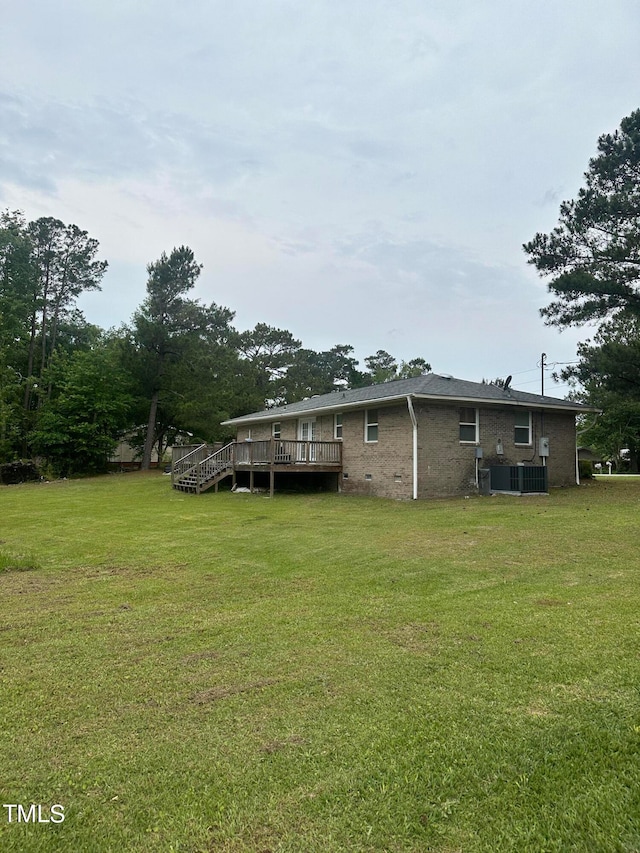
(431, 386)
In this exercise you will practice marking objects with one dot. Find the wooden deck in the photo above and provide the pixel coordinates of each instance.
(199, 470)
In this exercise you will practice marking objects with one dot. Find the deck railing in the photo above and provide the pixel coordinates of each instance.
(277, 451)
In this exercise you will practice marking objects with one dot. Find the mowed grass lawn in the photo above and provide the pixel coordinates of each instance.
(319, 673)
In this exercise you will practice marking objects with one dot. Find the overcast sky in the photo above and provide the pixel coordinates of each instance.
(359, 172)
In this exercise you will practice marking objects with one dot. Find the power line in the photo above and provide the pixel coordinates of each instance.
(535, 382)
(520, 372)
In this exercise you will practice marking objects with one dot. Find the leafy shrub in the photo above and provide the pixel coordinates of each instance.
(585, 469)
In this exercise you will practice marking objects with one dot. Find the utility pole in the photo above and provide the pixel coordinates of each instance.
(542, 364)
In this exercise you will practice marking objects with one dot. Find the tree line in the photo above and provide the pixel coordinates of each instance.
(70, 390)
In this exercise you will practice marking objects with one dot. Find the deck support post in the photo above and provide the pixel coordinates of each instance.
(251, 480)
(272, 479)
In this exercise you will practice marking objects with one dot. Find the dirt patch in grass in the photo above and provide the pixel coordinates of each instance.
(416, 637)
(538, 711)
(261, 839)
(20, 584)
(277, 745)
(118, 571)
(216, 693)
(198, 656)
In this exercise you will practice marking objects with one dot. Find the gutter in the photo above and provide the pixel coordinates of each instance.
(414, 424)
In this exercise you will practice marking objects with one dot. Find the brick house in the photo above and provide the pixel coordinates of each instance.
(430, 436)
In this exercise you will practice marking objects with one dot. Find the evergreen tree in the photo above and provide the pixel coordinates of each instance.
(174, 338)
(591, 259)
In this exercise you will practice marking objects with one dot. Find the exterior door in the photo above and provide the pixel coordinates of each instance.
(306, 432)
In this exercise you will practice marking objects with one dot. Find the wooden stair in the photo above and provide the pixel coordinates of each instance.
(197, 472)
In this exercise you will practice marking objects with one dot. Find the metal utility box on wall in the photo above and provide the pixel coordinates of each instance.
(543, 449)
(518, 479)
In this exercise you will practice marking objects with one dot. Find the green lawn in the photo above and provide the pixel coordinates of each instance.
(319, 673)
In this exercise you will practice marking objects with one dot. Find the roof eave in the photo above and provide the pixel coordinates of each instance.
(274, 414)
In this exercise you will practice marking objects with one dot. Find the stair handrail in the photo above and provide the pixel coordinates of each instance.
(178, 469)
(204, 466)
(226, 452)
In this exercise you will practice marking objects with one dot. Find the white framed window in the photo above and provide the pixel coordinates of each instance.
(337, 425)
(469, 426)
(522, 428)
(371, 426)
(275, 430)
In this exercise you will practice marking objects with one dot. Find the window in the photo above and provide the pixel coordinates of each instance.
(371, 425)
(469, 426)
(522, 428)
(275, 430)
(337, 425)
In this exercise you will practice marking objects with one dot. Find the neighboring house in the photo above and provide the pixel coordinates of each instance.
(430, 436)
(586, 454)
(127, 457)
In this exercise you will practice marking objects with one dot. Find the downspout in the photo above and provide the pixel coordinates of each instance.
(414, 424)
